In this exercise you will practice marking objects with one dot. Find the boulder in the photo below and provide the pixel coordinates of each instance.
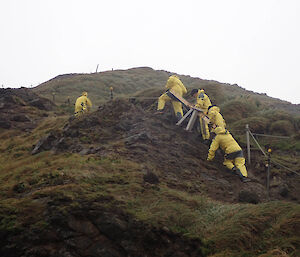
(248, 197)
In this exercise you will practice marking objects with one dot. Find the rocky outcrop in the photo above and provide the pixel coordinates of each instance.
(94, 230)
(22, 109)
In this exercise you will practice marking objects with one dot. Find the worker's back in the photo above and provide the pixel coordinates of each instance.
(227, 143)
(82, 104)
(176, 85)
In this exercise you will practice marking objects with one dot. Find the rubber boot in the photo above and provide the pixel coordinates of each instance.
(239, 173)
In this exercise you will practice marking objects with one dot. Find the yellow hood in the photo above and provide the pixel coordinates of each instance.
(200, 93)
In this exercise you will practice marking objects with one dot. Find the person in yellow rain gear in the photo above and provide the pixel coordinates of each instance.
(203, 102)
(177, 87)
(215, 117)
(234, 158)
(82, 105)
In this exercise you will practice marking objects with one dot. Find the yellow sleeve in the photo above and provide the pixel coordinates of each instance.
(207, 102)
(213, 148)
(219, 121)
(170, 83)
(184, 91)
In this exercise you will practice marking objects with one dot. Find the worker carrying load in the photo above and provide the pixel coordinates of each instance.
(215, 117)
(234, 158)
(174, 84)
(203, 102)
(83, 105)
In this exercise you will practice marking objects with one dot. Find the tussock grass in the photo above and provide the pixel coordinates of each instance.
(231, 230)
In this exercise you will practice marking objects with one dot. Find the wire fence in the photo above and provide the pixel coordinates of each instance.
(261, 149)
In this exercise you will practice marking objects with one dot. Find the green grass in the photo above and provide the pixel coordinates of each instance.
(67, 180)
(230, 229)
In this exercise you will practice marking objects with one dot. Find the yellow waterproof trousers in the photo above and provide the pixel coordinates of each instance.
(177, 106)
(204, 129)
(238, 162)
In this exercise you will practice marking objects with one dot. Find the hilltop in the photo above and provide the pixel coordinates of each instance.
(265, 115)
(132, 81)
(123, 181)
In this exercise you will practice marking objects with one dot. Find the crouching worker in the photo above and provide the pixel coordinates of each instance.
(83, 105)
(177, 86)
(233, 159)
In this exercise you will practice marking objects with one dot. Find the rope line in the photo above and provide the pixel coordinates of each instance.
(272, 161)
(265, 135)
(277, 163)
(257, 144)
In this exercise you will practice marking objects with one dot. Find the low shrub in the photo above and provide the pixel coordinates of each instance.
(256, 124)
(282, 127)
(237, 109)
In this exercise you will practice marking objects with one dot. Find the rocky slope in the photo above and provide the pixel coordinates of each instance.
(123, 181)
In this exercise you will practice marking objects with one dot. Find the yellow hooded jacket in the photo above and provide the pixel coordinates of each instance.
(203, 101)
(216, 117)
(83, 103)
(225, 141)
(176, 85)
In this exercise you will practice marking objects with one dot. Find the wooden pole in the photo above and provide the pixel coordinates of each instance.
(248, 144)
(268, 172)
(192, 120)
(97, 68)
(111, 93)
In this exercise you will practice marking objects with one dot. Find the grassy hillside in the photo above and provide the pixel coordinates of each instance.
(238, 106)
(122, 181)
(129, 82)
(124, 83)
(36, 190)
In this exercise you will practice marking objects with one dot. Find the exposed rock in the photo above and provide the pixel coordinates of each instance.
(275, 182)
(84, 151)
(19, 188)
(283, 190)
(41, 104)
(151, 178)
(5, 124)
(46, 143)
(248, 197)
(22, 108)
(83, 226)
(143, 136)
(20, 118)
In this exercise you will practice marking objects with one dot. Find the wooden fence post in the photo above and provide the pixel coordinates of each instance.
(248, 144)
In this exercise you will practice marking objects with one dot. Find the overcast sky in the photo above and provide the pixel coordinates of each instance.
(253, 43)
